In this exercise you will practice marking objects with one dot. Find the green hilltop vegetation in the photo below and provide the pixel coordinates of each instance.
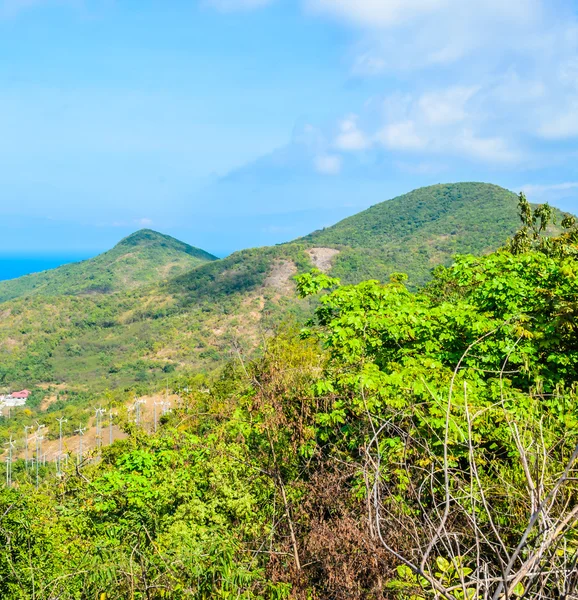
(133, 339)
(413, 233)
(401, 445)
(420, 230)
(144, 257)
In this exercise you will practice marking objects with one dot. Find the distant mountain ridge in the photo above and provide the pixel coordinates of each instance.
(158, 322)
(143, 257)
(412, 233)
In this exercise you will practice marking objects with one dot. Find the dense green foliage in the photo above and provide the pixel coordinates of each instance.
(59, 339)
(144, 257)
(399, 446)
(77, 344)
(418, 231)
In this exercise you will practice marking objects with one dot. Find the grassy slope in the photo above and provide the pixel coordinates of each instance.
(188, 322)
(415, 232)
(142, 258)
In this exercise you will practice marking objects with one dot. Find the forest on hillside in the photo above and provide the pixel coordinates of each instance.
(401, 444)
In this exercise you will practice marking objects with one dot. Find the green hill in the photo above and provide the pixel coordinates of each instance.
(141, 258)
(415, 232)
(412, 233)
(188, 322)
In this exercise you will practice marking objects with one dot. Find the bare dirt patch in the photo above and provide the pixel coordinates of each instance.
(70, 444)
(48, 400)
(322, 258)
(280, 276)
(10, 343)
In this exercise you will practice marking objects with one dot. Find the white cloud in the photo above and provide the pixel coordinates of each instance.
(451, 122)
(401, 136)
(145, 222)
(539, 190)
(486, 149)
(563, 195)
(350, 137)
(328, 164)
(409, 34)
(562, 125)
(236, 5)
(376, 13)
(447, 106)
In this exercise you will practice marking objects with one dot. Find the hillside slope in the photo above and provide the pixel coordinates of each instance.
(412, 233)
(416, 232)
(141, 258)
(189, 322)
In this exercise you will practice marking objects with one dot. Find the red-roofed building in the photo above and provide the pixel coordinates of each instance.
(23, 394)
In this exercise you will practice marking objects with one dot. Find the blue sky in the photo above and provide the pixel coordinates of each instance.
(236, 123)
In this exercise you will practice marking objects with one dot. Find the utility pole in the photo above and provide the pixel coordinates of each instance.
(60, 421)
(10, 445)
(39, 439)
(110, 416)
(60, 454)
(37, 459)
(98, 412)
(26, 428)
(155, 410)
(80, 432)
(137, 409)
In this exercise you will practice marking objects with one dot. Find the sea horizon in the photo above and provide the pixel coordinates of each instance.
(14, 265)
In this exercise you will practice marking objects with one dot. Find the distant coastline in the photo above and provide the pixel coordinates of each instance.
(16, 265)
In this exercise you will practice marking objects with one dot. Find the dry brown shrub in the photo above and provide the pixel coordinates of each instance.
(341, 560)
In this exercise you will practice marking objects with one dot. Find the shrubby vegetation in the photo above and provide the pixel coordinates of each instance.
(423, 229)
(405, 445)
(143, 257)
(95, 341)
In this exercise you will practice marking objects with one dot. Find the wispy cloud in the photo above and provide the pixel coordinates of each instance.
(10, 8)
(236, 5)
(453, 103)
(376, 13)
(350, 136)
(402, 135)
(431, 32)
(563, 195)
(539, 189)
(328, 164)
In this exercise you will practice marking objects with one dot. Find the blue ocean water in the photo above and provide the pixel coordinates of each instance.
(14, 265)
